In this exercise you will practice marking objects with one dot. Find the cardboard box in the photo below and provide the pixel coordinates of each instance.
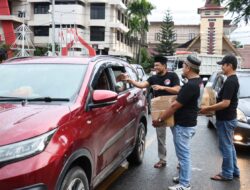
(208, 99)
(159, 105)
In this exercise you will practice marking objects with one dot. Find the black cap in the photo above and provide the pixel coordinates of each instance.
(228, 59)
(193, 62)
(163, 60)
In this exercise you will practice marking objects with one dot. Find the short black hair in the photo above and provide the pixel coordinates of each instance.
(161, 59)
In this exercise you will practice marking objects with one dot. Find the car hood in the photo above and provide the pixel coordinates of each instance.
(19, 122)
(244, 106)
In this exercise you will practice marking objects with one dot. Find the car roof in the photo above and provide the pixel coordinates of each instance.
(61, 59)
(243, 72)
(238, 72)
(136, 66)
(50, 60)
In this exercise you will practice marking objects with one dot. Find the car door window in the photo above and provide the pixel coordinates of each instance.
(102, 82)
(218, 84)
(140, 72)
(132, 74)
(120, 86)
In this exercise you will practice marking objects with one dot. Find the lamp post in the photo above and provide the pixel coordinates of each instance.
(53, 27)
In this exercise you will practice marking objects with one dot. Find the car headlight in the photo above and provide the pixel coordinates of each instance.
(26, 148)
(241, 116)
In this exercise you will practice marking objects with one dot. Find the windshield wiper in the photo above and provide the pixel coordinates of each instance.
(48, 99)
(9, 98)
(243, 97)
(39, 99)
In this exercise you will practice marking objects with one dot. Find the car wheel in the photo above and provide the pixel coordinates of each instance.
(210, 125)
(136, 157)
(75, 179)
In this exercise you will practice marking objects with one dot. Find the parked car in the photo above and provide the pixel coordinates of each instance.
(143, 77)
(65, 124)
(242, 132)
(141, 73)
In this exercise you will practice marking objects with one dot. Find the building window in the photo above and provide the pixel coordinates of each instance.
(71, 2)
(174, 37)
(122, 37)
(157, 36)
(207, 12)
(119, 15)
(97, 11)
(41, 8)
(123, 19)
(191, 36)
(118, 35)
(41, 30)
(126, 21)
(211, 20)
(97, 33)
(217, 12)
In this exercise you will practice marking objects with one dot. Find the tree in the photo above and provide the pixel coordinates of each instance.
(167, 36)
(40, 51)
(138, 12)
(4, 52)
(239, 7)
(146, 60)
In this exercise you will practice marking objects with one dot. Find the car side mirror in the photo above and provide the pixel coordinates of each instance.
(101, 98)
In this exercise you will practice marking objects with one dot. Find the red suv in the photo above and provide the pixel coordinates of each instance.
(67, 123)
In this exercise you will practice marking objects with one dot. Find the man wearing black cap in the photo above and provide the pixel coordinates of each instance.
(164, 83)
(185, 111)
(226, 122)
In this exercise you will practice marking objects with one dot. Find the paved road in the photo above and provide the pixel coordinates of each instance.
(206, 162)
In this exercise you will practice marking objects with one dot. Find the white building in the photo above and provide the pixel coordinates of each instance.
(100, 23)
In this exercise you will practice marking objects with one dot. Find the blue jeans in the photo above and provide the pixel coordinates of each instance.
(225, 130)
(182, 136)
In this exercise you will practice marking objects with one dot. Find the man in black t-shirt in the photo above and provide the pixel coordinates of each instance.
(226, 122)
(185, 111)
(163, 83)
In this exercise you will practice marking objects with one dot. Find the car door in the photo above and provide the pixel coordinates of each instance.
(106, 123)
(125, 104)
(134, 105)
(218, 83)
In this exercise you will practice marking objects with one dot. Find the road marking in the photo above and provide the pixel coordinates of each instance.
(196, 169)
(114, 176)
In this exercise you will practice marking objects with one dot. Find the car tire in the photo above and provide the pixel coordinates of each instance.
(136, 157)
(75, 179)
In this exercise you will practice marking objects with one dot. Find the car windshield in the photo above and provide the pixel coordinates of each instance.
(41, 80)
(244, 86)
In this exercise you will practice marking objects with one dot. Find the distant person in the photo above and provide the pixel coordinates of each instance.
(120, 85)
(164, 83)
(226, 122)
(185, 111)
